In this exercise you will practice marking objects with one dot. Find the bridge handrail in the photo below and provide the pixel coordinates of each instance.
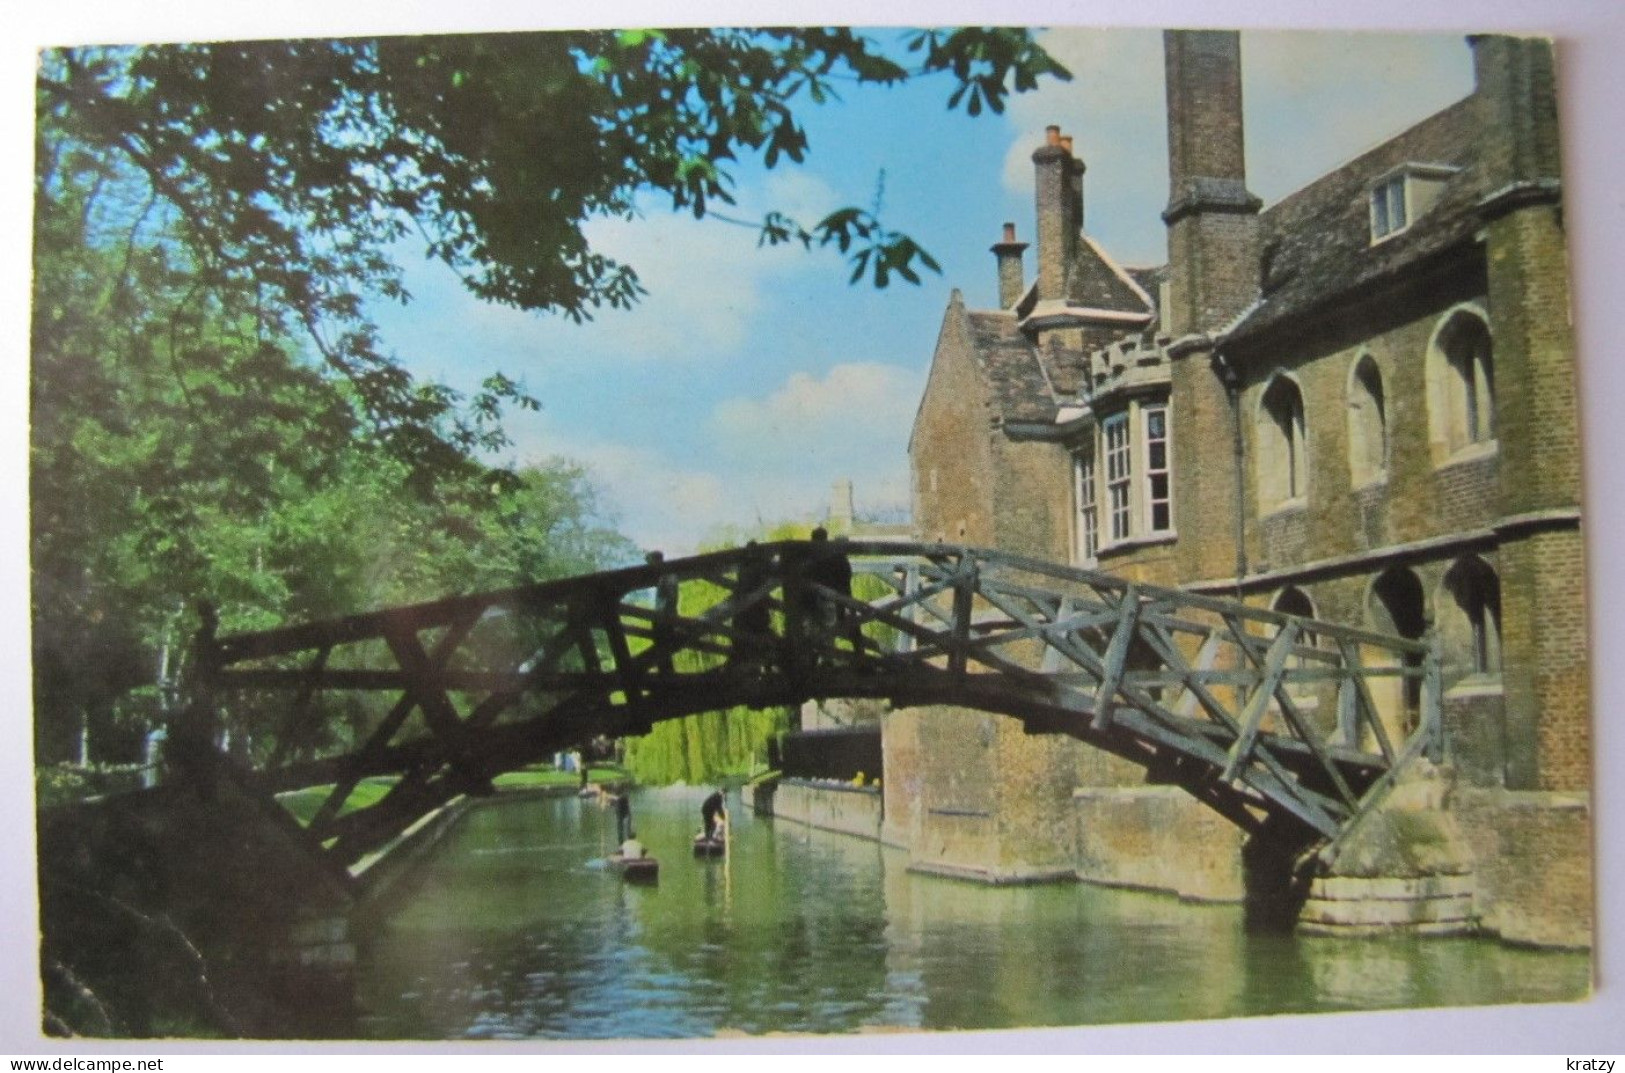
(1144, 671)
(283, 640)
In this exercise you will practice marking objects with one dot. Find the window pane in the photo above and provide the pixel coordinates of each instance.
(1120, 512)
(1088, 524)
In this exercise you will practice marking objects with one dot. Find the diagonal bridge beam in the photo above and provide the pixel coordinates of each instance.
(1261, 714)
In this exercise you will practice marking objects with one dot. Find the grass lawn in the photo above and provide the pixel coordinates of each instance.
(529, 778)
(302, 804)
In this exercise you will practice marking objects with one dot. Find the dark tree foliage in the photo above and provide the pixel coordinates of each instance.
(293, 167)
(214, 413)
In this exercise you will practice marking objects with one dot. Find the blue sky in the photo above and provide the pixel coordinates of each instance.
(750, 380)
(1591, 40)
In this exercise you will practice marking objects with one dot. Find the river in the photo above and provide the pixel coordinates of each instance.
(514, 930)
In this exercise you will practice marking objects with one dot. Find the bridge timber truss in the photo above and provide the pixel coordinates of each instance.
(1258, 714)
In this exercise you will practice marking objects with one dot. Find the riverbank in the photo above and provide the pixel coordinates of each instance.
(384, 877)
(514, 932)
(1159, 841)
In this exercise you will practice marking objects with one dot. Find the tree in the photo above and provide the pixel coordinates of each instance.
(182, 453)
(731, 742)
(291, 169)
(214, 414)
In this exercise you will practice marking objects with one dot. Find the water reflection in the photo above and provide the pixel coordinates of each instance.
(514, 930)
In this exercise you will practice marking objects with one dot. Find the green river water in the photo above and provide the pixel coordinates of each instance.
(514, 930)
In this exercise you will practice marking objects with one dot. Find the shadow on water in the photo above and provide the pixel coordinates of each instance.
(512, 932)
(1276, 887)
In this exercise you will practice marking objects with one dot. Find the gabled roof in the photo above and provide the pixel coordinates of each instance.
(1095, 281)
(1017, 384)
(1316, 243)
(1098, 292)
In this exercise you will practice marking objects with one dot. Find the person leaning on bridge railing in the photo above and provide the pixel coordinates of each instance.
(753, 619)
(665, 613)
(829, 569)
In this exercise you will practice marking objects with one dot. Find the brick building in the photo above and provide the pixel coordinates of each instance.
(1356, 404)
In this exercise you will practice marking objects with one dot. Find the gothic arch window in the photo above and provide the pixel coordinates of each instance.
(1461, 383)
(1294, 601)
(1397, 606)
(1368, 423)
(1470, 618)
(1283, 464)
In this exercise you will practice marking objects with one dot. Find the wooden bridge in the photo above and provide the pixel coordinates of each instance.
(1260, 715)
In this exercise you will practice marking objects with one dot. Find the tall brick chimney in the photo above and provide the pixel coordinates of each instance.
(1517, 92)
(1059, 195)
(1213, 274)
(1212, 219)
(1009, 253)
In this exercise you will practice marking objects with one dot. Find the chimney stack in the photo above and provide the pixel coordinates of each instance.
(1212, 218)
(1008, 252)
(1059, 195)
(1516, 87)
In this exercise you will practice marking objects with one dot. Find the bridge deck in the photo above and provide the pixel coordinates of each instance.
(1256, 713)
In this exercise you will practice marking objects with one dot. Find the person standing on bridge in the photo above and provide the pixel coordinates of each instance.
(831, 575)
(663, 631)
(753, 618)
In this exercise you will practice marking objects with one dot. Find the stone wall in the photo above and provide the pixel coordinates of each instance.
(1532, 854)
(1418, 495)
(198, 901)
(849, 810)
(950, 450)
(1158, 838)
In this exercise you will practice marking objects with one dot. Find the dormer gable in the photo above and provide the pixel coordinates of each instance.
(1402, 195)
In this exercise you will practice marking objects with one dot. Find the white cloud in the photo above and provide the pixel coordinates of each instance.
(704, 286)
(770, 458)
(785, 450)
(655, 503)
(801, 195)
(1317, 100)
(706, 280)
(806, 408)
(1313, 101)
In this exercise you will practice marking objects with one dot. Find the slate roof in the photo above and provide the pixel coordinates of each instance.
(1095, 282)
(1067, 369)
(1150, 280)
(1010, 367)
(1316, 242)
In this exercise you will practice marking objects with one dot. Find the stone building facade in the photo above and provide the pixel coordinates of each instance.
(1356, 404)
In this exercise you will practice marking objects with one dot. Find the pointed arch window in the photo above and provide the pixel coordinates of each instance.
(1282, 459)
(1368, 423)
(1470, 618)
(1294, 601)
(1461, 384)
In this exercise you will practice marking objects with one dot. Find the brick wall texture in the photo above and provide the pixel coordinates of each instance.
(1509, 502)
